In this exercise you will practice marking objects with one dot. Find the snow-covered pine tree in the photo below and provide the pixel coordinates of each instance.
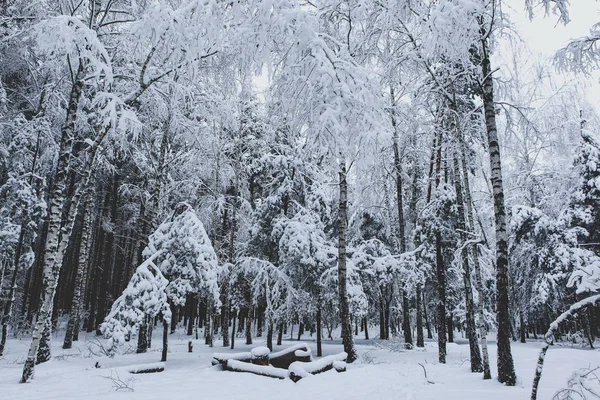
(144, 298)
(186, 258)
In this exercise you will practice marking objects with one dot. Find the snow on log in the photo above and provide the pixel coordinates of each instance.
(263, 370)
(299, 370)
(280, 359)
(221, 358)
(146, 368)
(283, 358)
(260, 355)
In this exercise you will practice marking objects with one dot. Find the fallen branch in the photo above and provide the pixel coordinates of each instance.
(425, 372)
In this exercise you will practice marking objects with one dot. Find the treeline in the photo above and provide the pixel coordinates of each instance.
(146, 175)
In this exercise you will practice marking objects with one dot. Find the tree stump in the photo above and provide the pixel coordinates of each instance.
(260, 355)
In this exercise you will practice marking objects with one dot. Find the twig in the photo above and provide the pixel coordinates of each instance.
(425, 372)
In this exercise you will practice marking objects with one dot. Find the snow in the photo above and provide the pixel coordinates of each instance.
(135, 369)
(258, 369)
(260, 352)
(303, 369)
(298, 350)
(378, 374)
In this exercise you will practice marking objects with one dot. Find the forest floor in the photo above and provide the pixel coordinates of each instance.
(382, 372)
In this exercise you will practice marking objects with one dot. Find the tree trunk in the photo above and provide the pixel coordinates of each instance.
(381, 318)
(521, 327)
(280, 334)
(142, 343)
(8, 306)
(406, 320)
(174, 318)
(506, 369)
(420, 339)
(55, 204)
(475, 252)
(347, 338)
(192, 315)
(225, 312)
(165, 347)
(475, 355)
(441, 307)
(427, 324)
(82, 266)
(248, 327)
(319, 330)
(233, 330)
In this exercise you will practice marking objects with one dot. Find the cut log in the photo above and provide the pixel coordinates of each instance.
(284, 358)
(260, 355)
(221, 358)
(263, 370)
(299, 370)
(146, 368)
(280, 359)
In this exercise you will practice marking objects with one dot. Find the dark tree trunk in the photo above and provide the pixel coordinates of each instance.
(249, 327)
(233, 330)
(280, 334)
(420, 340)
(270, 336)
(406, 320)
(319, 330)
(427, 325)
(441, 307)
(142, 343)
(522, 327)
(381, 319)
(191, 314)
(165, 347)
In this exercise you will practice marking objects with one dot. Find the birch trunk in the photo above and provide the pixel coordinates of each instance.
(478, 278)
(506, 369)
(55, 204)
(476, 363)
(347, 338)
(401, 224)
(82, 266)
(8, 306)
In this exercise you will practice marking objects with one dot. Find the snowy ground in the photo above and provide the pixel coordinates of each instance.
(379, 374)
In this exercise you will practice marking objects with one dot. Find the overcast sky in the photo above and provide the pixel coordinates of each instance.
(545, 35)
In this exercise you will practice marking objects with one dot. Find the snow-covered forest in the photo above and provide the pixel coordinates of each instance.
(397, 189)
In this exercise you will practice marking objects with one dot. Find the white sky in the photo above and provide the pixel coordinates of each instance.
(544, 35)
